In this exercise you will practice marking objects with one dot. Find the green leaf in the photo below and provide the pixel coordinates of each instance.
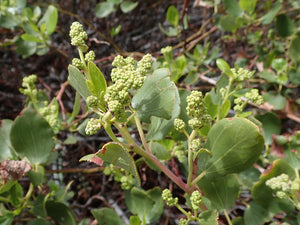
(173, 16)
(116, 154)
(147, 205)
(60, 212)
(224, 109)
(160, 151)
(235, 144)
(31, 137)
(7, 219)
(26, 48)
(271, 125)
(37, 176)
(284, 25)
(77, 81)
(39, 206)
(157, 97)
(256, 214)
(294, 50)
(232, 8)
(268, 76)
(279, 64)
(126, 7)
(224, 67)
(50, 19)
(98, 81)
(107, 216)
(29, 37)
(135, 220)
(248, 5)
(6, 149)
(39, 222)
(263, 195)
(275, 99)
(228, 23)
(103, 9)
(268, 18)
(209, 217)
(222, 192)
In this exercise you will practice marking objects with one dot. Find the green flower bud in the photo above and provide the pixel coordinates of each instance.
(77, 63)
(166, 50)
(179, 124)
(183, 221)
(93, 126)
(90, 56)
(92, 101)
(167, 196)
(242, 74)
(195, 145)
(196, 199)
(195, 123)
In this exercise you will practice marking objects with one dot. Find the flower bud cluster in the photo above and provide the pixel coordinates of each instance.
(28, 85)
(120, 175)
(166, 50)
(285, 187)
(77, 63)
(197, 109)
(196, 199)
(252, 96)
(179, 124)
(241, 74)
(50, 114)
(90, 56)
(179, 152)
(183, 221)
(125, 77)
(195, 145)
(167, 196)
(92, 101)
(78, 36)
(93, 126)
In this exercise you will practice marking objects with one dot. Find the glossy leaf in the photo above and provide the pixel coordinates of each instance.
(126, 7)
(31, 137)
(6, 149)
(173, 16)
(116, 154)
(221, 192)
(157, 97)
(284, 25)
(146, 205)
(235, 144)
(77, 81)
(103, 9)
(39, 222)
(29, 37)
(7, 219)
(107, 216)
(60, 212)
(232, 8)
(39, 206)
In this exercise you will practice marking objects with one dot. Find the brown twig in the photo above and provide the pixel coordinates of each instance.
(59, 96)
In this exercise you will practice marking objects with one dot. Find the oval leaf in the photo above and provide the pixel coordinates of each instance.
(157, 97)
(126, 7)
(173, 16)
(235, 144)
(6, 149)
(77, 81)
(116, 154)
(31, 137)
(107, 216)
(222, 193)
(103, 9)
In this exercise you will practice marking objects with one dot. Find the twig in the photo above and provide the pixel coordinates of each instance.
(59, 96)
